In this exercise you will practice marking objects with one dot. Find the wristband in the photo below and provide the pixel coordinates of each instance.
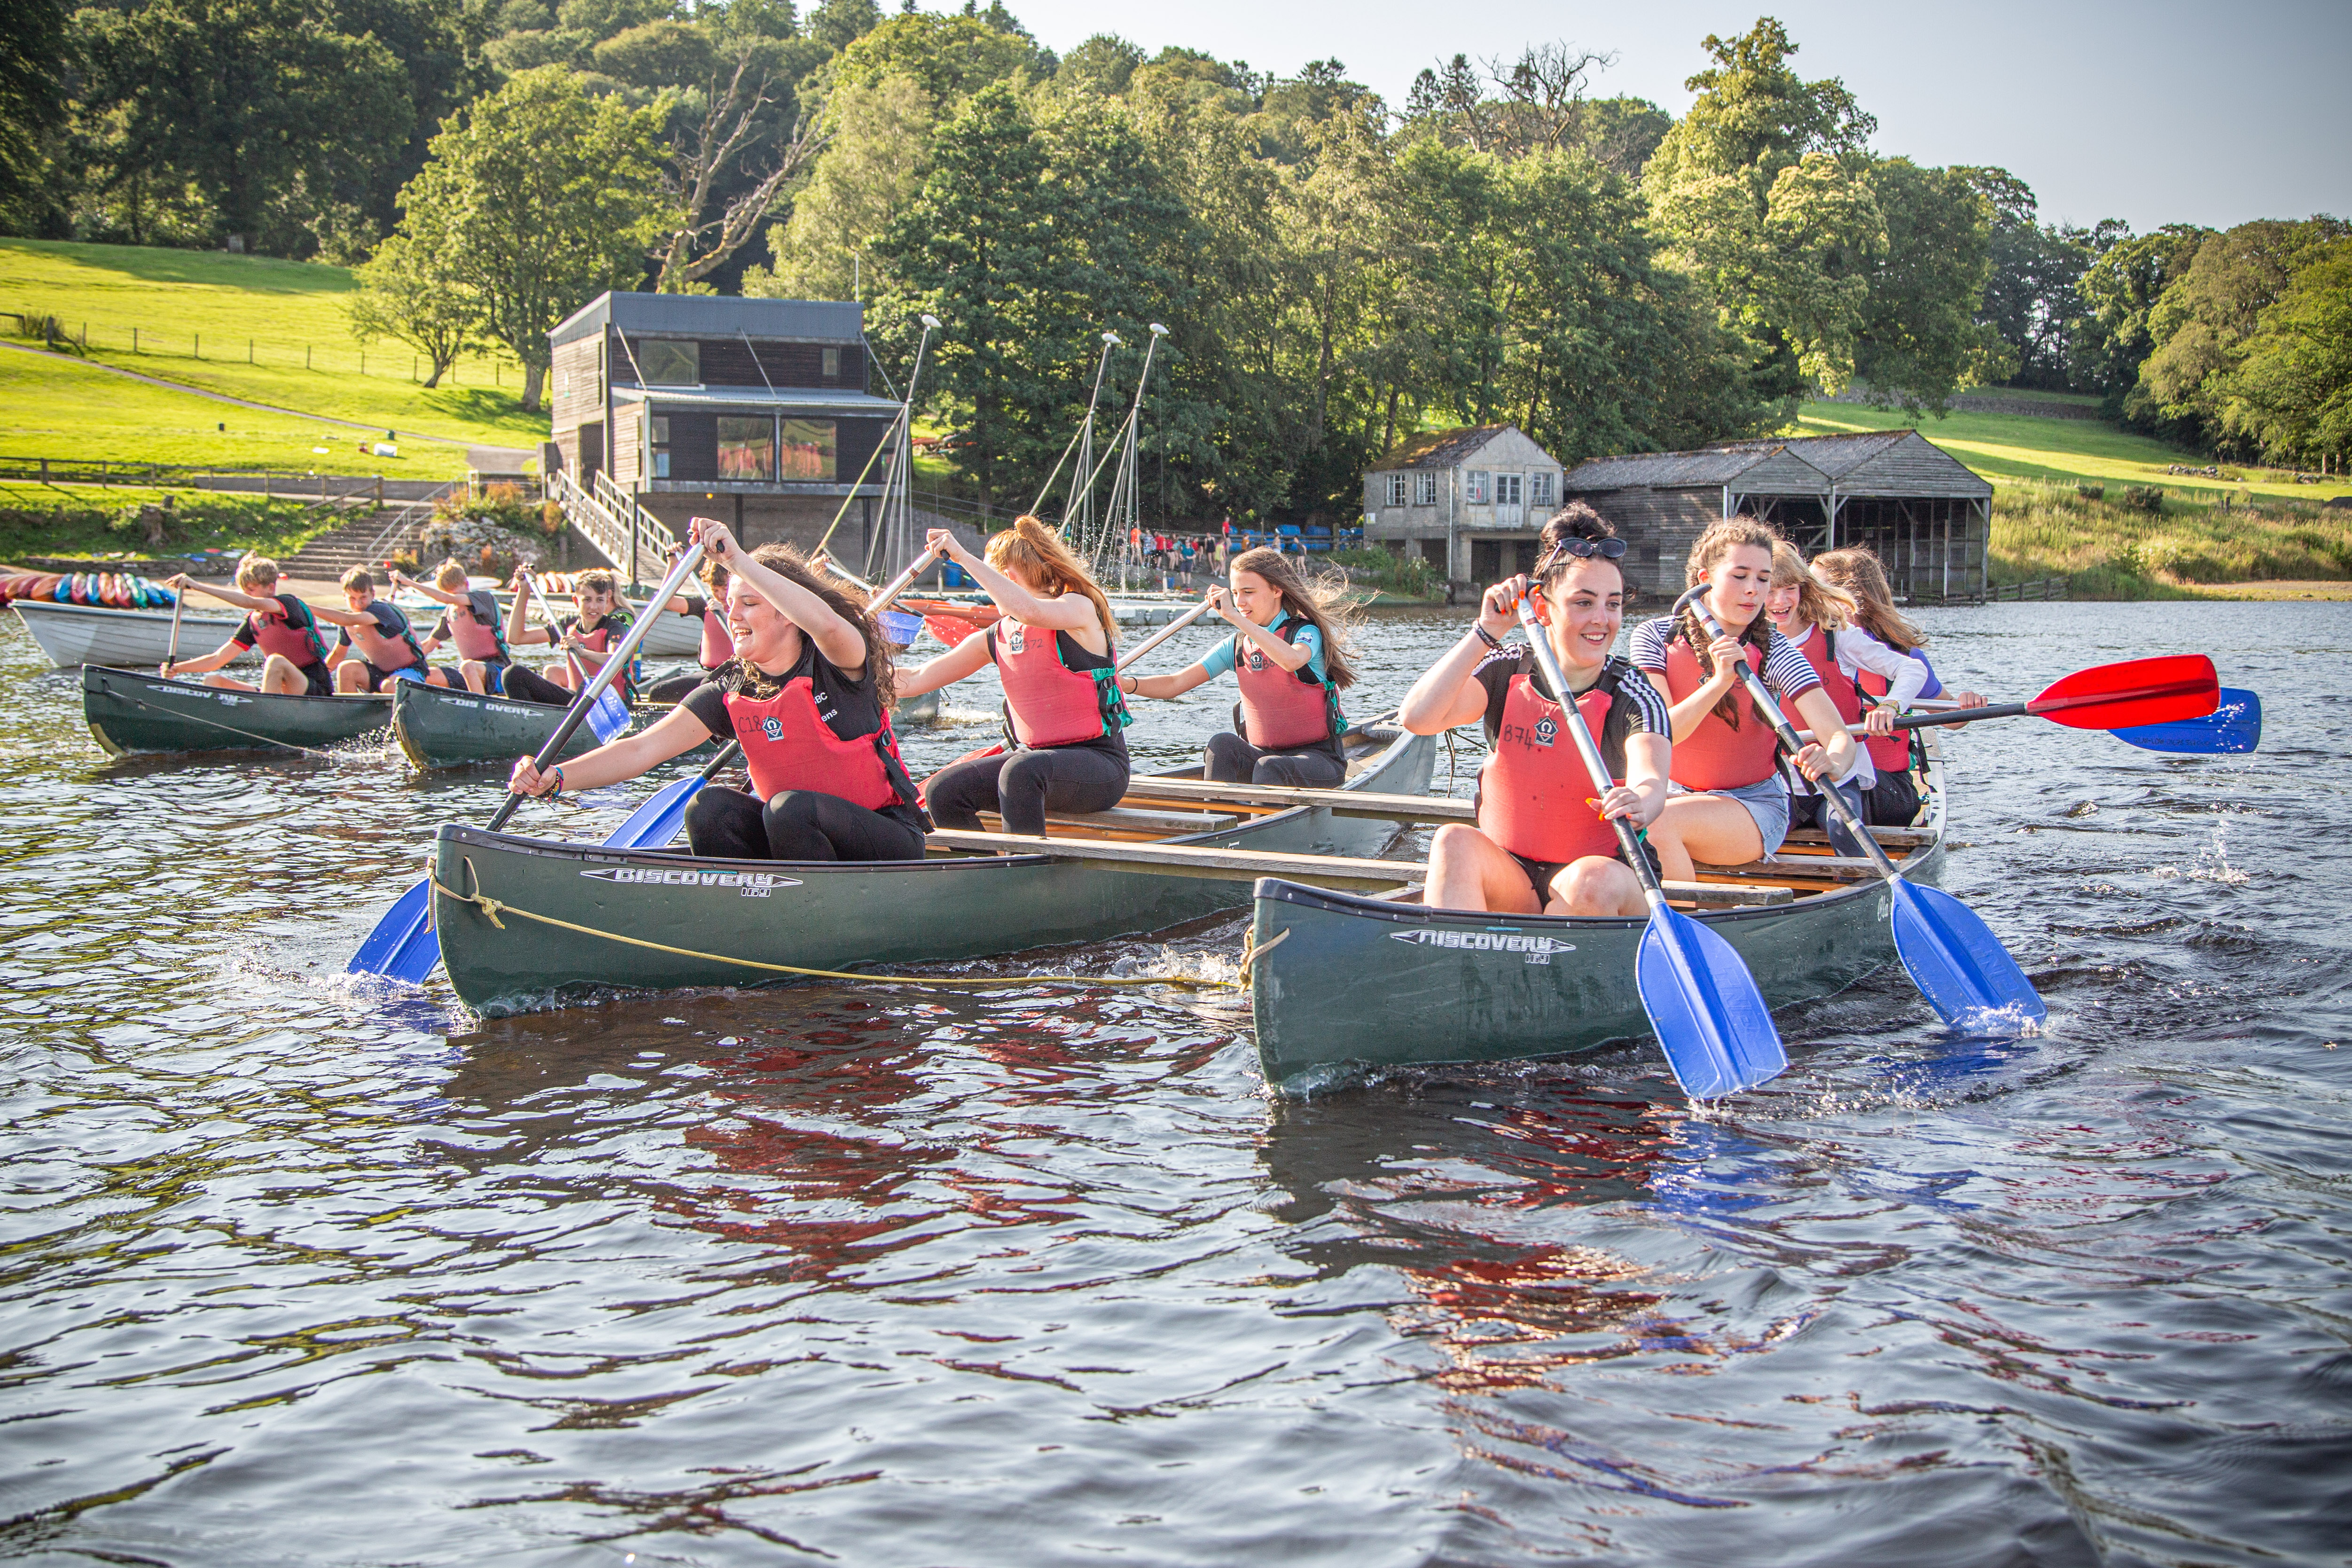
(1486, 636)
(555, 784)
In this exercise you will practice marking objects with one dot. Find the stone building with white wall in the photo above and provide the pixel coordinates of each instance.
(1470, 501)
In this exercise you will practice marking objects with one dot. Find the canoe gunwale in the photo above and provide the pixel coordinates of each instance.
(107, 683)
(1457, 1003)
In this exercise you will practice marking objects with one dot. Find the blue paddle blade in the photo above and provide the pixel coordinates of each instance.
(655, 823)
(608, 716)
(1960, 966)
(402, 946)
(2235, 725)
(1704, 1004)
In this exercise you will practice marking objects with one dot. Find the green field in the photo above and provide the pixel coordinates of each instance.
(89, 520)
(56, 406)
(2003, 446)
(198, 316)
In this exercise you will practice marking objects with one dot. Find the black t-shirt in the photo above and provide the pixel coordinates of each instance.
(851, 709)
(298, 617)
(1635, 707)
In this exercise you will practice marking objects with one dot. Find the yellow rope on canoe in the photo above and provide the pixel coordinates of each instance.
(492, 908)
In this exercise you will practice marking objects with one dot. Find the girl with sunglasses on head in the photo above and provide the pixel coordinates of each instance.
(1543, 845)
(1730, 805)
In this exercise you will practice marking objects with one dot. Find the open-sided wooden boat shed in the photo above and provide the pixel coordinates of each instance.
(1926, 513)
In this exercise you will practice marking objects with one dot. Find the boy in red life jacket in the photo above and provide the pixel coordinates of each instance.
(1053, 650)
(1544, 845)
(1729, 804)
(377, 642)
(808, 696)
(1289, 656)
(602, 622)
(294, 656)
(470, 624)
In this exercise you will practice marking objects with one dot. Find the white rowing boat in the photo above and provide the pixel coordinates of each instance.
(73, 635)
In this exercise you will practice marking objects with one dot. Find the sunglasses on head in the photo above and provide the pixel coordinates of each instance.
(1584, 549)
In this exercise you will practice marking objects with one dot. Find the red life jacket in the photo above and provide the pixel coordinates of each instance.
(298, 643)
(1715, 755)
(1533, 790)
(600, 641)
(1051, 703)
(475, 638)
(790, 743)
(387, 651)
(1888, 753)
(718, 640)
(1284, 709)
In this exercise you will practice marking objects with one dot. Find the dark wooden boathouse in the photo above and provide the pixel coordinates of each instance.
(1927, 514)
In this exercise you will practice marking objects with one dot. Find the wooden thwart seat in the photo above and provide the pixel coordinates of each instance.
(1794, 869)
(1888, 837)
(1191, 859)
(1726, 896)
(1124, 819)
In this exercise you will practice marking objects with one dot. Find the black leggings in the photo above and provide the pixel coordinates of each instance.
(1023, 786)
(670, 692)
(1232, 760)
(1893, 802)
(531, 686)
(797, 825)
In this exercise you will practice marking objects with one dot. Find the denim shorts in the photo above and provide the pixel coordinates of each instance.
(1767, 801)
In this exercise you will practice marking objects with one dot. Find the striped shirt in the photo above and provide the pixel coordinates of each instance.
(1787, 674)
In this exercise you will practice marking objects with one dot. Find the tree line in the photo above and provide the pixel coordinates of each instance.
(1336, 271)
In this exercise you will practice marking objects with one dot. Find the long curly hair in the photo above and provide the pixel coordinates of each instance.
(1719, 541)
(1323, 603)
(790, 564)
(1037, 552)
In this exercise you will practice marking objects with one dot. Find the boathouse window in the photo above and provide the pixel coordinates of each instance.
(832, 358)
(1539, 489)
(657, 443)
(808, 447)
(1424, 487)
(1396, 489)
(668, 362)
(747, 448)
(1475, 482)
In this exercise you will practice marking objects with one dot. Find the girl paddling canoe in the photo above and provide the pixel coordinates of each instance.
(710, 607)
(1731, 806)
(470, 624)
(1543, 845)
(294, 656)
(602, 621)
(1894, 799)
(1814, 619)
(1053, 650)
(1288, 656)
(808, 694)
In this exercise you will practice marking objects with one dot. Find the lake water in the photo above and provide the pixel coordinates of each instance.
(295, 1274)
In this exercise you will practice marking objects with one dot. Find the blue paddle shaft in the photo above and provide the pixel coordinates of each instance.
(1596, 767)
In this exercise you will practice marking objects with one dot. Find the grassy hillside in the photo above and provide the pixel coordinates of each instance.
(198, 316)
(2271, 531)
(2003, 446)
(56, 406)
(52, 520)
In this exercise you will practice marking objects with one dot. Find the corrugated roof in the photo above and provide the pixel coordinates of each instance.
(1437, 448)
(1892, 461)
(1708, 467)
(716, 316)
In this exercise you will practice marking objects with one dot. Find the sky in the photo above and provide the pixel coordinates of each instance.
(2155, 112)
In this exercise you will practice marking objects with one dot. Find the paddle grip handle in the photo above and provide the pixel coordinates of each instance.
(1787, 734)
(1595, 766)
(614, 662)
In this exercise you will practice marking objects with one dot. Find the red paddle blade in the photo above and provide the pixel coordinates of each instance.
(2137, 692)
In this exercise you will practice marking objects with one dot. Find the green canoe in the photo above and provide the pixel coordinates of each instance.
(1361, 984)
(129, 711)
(717, 919)
(437, 727)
